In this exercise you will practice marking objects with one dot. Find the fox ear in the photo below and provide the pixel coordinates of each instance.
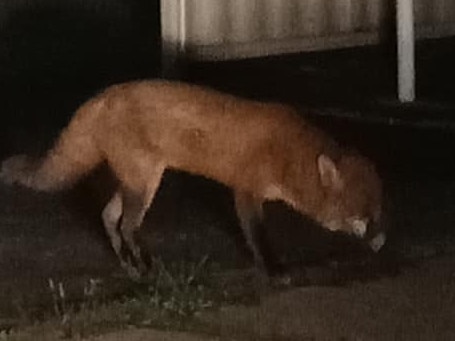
(329, 174)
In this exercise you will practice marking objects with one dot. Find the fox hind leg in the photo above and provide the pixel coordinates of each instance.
(138, 191)
(111, 216)
(135, 207)
(122, 217)
(139, 178)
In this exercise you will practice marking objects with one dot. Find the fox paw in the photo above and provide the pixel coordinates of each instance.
(132, 272)
(281, 281)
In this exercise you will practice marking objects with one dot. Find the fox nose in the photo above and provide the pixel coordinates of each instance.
(377, 242)
(369, 231)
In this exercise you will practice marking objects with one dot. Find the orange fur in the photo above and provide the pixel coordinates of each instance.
(263, 151)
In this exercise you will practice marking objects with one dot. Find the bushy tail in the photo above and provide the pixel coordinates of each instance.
(74, 155)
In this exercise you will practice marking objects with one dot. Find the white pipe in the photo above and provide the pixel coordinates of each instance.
(182, 25)
(405, 38)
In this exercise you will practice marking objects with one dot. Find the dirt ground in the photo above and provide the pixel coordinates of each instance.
(405, 292)
(417, 305)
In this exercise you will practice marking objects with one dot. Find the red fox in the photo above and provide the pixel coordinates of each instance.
(262, 151)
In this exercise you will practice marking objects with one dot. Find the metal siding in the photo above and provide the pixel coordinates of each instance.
(224, 29)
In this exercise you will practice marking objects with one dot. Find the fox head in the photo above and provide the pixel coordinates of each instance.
(352, 201)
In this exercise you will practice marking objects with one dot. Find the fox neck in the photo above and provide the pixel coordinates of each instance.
(299, 187)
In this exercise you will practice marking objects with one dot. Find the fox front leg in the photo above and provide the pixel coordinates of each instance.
(250, 214)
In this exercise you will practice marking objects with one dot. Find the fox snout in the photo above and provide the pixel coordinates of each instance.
(377, 242)
(375, 239)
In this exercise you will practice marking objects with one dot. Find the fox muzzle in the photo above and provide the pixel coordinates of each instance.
(377, 242)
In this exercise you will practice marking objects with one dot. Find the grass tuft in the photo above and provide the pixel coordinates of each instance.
(168, 299)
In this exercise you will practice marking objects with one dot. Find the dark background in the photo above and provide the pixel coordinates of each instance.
(54, 54)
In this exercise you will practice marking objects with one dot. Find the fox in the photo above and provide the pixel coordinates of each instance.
(262, 151)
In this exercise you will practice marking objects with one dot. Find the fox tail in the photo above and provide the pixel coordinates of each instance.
(73, 156)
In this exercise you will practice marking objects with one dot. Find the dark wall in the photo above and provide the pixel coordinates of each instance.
(81, 40)
(54, 54)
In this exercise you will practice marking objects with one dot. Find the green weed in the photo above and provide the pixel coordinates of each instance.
(168, 299)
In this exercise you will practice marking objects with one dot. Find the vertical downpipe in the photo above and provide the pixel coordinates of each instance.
(182, 26)
(405, 40)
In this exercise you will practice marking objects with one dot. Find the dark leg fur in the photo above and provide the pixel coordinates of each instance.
(123, 217)
(250, 213)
